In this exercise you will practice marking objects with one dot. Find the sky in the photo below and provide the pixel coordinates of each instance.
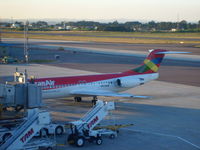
(145, 10)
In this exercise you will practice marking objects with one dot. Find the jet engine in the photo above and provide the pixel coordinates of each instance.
(127, 83)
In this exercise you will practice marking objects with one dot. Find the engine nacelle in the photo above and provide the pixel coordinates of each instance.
(127, 83)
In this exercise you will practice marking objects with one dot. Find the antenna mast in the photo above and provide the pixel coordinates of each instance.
(0, 31)
(26, 57)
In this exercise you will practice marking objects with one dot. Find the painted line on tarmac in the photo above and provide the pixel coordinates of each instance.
(168, 135)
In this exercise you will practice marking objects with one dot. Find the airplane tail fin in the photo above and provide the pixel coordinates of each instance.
(152, 62)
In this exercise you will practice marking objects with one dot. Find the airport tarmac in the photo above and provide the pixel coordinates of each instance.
(170, 120)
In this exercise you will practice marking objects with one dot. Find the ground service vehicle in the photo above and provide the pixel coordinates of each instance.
(83, 129)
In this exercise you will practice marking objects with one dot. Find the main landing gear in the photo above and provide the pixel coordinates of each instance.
(77, 99)
(94, 101)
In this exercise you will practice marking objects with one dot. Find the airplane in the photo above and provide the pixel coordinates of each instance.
(104, 84)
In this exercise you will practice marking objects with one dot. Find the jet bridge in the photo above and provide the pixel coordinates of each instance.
(17, 133)
(14, 94)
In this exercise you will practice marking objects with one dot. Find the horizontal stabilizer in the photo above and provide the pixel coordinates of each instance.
(140, 96)
(172, 52)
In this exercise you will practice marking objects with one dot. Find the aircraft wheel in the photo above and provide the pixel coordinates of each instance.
(77, 99)
(94, 102)
(59, 130)
(99, 141)
(80, 141)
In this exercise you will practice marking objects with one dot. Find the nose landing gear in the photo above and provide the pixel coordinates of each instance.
(77, 99)
(94, 101)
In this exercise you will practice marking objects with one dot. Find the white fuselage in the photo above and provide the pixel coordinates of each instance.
(112, 85)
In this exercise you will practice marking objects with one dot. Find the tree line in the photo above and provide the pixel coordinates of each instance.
(134, 26)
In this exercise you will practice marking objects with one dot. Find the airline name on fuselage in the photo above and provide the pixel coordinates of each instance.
(46, 83)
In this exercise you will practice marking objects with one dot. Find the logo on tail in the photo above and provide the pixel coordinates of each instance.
(151, 63)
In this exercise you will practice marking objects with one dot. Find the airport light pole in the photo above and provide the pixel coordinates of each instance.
(26, 57)
(0, 34)
(0, 31)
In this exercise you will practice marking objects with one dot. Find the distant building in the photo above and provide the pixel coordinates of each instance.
(153, 29)
(59, 27)
(17, 25)
(75, 28)
(173, 30)
(14, 25)
(68, 27)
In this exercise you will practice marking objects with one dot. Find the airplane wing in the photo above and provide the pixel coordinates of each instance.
(106, 93)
